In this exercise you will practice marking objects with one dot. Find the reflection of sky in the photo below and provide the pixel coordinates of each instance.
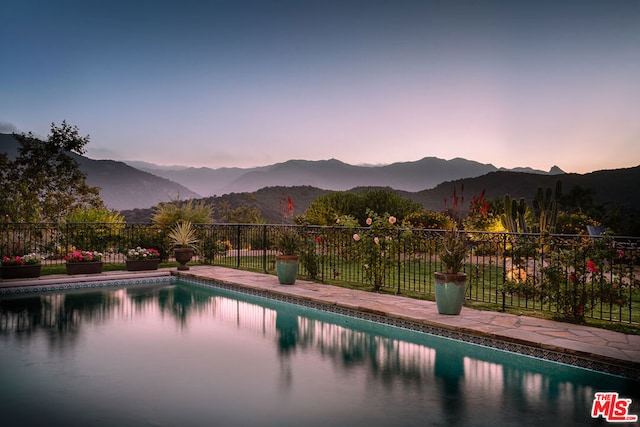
(170, 355)
(249, 83)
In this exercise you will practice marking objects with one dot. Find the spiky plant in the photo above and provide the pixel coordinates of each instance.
(453, 251)
(183, 235)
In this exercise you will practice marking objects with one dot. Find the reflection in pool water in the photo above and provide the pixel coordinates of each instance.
(182, 354)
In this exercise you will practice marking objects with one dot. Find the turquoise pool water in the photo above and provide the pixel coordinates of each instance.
(177, 354)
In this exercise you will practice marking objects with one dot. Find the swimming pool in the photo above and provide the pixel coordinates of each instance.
(176, 353)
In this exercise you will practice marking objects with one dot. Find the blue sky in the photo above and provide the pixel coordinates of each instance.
(251, 83)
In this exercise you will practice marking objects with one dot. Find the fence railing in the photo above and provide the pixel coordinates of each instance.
(574, 275)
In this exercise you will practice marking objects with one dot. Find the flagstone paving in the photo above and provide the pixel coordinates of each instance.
(579, 340)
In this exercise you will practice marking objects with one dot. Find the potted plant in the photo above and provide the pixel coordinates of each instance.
(183, 238)
(83, 262)
(21, 266)
(451, 284)
(288, 244)
(139, 259)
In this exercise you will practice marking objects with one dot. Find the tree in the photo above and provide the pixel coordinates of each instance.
(44, 181)
(196, 212)
(325, 209)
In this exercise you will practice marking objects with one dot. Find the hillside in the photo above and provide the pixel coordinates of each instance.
(121, 186)
(266, 200)
(617, 187)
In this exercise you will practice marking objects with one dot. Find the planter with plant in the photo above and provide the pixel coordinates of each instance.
(288, 245)
(183, 239)
(140, 259)
(83, 262)
(21, 266)
(451, 284)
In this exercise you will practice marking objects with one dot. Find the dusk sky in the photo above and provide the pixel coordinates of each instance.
(252, 83)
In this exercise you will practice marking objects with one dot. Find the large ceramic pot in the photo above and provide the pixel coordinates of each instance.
(450, 290)
(20, 271)
(84, 267)
(142, 264)
(183, 256)
(287, 268)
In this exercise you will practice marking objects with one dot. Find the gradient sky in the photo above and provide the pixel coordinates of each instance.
(251, 83)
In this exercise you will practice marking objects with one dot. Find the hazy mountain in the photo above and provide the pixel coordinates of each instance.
(329, 175)
(618, 187)
(121, 186)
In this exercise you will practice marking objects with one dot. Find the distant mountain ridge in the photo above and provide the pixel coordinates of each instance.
(121, 186)
(427, 181)
(329, 175)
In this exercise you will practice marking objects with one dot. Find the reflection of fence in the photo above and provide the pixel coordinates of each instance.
(583, 276)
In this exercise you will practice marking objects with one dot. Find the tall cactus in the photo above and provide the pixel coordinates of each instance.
(545, 206)
(513, 218)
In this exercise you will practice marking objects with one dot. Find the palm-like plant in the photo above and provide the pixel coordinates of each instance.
(183, 235)
(453, 251)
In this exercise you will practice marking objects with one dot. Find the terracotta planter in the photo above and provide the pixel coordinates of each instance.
(142, 264)
(20, 271)
(287, 268)
(84, 267)
(450, 289)
(183, 256)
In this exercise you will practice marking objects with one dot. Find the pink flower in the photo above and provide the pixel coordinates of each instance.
(338, 221)
(620, 253)
(376, 240)
(356, 237)
(369, 221)
(392, 219)
(591, 266)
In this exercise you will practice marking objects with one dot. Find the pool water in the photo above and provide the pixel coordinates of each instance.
(178, 354)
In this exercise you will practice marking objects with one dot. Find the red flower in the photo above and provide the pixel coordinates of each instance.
(619, 301)
(573, 277)
(591, 266)
(319, 239)
(620, 253)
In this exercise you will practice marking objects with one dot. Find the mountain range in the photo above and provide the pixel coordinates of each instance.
(121, 186)
(127, 186)
(327, 174)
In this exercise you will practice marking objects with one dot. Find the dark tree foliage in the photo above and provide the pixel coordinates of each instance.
(44, 181)
(326, 208)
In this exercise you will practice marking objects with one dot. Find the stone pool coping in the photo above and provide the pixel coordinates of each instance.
(588, 347)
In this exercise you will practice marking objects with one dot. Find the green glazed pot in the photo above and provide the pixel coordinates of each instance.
(450, 289)
(287, 268)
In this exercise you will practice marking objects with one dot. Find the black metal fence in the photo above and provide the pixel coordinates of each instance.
(573, 275)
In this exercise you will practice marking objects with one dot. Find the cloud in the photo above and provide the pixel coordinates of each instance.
(99, 153)
(6, 127)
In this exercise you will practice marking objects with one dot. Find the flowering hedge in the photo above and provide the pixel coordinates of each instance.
(83, 256)
(28, 259)
(143, 253)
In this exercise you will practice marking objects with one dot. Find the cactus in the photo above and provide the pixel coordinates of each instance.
(513, 218)
(545, 206)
